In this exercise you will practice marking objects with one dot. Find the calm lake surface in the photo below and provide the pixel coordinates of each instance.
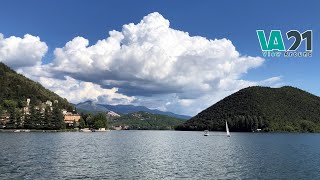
(159, 155)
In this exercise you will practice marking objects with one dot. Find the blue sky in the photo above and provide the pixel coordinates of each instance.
(58, 22)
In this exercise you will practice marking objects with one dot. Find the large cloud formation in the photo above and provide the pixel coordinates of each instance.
(147, 63)
(151, 58)
(21, 52)
(79, 91)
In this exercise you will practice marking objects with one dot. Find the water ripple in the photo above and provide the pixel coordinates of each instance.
(159, 155)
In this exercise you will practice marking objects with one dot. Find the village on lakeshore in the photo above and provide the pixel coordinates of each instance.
(47, 116)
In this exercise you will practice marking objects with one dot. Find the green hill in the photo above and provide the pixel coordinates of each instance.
(146, 121)
(270, 109)
(16, 87)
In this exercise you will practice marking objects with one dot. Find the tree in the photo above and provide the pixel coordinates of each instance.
(100, 121)
(89, 120)
(48, 118)
(1, 113)
(12, 119)
(255, 123)
(11, 105)
(70, 109)
(30, 118)
(1, 110)
(98, 124)
(58, 118)
(85, 118)
(19, 123)
(74, 124)
(22, 103)
(82, 123)
(307, 126)
(38, 119)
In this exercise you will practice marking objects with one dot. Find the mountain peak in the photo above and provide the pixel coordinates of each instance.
(123, 109)
(271, 109)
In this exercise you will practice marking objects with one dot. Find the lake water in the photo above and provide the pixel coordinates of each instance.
(159, 155)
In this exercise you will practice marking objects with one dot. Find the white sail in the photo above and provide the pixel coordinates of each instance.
(206, 133)
(227, 129)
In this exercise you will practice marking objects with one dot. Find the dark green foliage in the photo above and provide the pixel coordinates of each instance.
(1, 110)
(17, 88)
(100, 121)
(14, 91)
(37, 119)
(82, 123)
(270, 109)
(97, 121)
(12, 120)
(146, 121)
(15, 120)
(18, 118)
(84, 120)
(48, 119)
(57, 118)
(30, 118)
(88, 120)
(10, 106)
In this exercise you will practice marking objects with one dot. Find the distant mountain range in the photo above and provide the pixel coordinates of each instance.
(285, 109)
(90, 106)
(145, 121)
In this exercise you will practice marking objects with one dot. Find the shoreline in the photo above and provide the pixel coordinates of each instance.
(78, 130)
(37, 130)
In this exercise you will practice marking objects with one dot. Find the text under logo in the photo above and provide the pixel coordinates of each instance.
(274, 46)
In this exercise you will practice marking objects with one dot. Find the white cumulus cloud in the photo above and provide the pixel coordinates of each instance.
(147, 63)
(78, 91)
(21, 52)
(152, 58)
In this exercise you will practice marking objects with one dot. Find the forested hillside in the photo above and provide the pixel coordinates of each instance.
(16, 87)
(44, 110)
(146, 121)
(270, 109)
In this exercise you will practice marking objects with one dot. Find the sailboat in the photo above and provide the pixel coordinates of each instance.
(206, 133)
(227, 129)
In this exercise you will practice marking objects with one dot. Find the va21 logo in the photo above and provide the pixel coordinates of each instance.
(275, 46)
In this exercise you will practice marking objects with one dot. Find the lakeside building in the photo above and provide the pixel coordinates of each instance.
(123, 127)
(4, 119)
(71, 119)
(112, 114)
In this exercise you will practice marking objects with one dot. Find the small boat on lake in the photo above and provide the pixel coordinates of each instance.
(85, 130)
(206, 133)
(227, 129)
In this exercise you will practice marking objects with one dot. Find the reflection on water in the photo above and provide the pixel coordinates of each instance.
(159, 155)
